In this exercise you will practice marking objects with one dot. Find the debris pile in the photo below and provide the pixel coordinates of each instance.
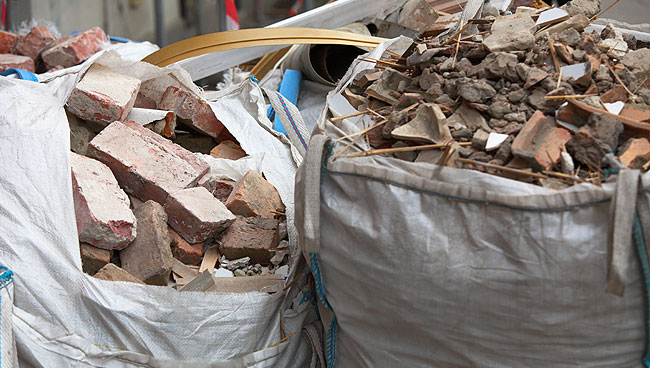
(41, 51)
(532, 96)
(150, 210)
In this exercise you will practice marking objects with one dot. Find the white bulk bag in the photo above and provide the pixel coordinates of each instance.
(418, 265)
(65, 318)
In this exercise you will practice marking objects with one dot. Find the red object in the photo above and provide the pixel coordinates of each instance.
(232, 19)
(4, 14)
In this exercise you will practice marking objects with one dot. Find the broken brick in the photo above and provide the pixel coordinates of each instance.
(539, 142)
(112, 272)
(189, 254)
(145, 164)
(103, 95)
(228, 150)
(104, 218)
(196, 214)
(75, 49)
(149, 257)
(636, 112)
(7, 42)
(93, 258)
(635, 153)
(254, 196)
(9, 61)
(253, 237)
(220, 188)
(191, 110)
(37, 40)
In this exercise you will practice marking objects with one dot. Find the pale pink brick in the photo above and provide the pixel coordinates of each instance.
(76, 49)
(103, 95)
(196, 214)
(102, 209)
(37, 40)
(145, 164)
(191, 110)
(7, 42)
(9, 61)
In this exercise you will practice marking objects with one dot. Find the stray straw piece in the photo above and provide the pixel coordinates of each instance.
(402, 149)
(503, 168)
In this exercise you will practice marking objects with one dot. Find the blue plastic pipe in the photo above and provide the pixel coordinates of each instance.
(289, 89)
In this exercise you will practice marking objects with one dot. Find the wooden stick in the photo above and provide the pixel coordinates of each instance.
(640, 85)
(556, 63)
(379, 61)
(563, 176)
(453, 63)
(347, 147)
(618, 78)
(402, 149)
(568, 96)
(459, 32)
(603, 12)
(363, 130)
(209, 259)
(358, 113)
(559, 79)
(503, 168)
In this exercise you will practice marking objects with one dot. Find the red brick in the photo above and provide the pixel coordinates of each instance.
(228, 150)
(253, 237)
(7, 42)
(111, 272)
(539, 142)
(254, 196)
(191, 110)
(104, 218)
(636, 112)
(76, 49)
(635, 153)
(103, 95)
(145, 164)
(149, 257)
(93, 259)
(37, 40)
(196, 214)
(189, 254)
(9, 61)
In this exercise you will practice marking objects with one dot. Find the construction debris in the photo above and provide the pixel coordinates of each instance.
(533, 94)
(41, 51)
(141, 213)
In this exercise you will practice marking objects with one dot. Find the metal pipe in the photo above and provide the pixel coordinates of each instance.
(161, 40)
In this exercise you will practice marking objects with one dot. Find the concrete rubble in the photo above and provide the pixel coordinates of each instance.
(41, 51)
(530, 94)
(141, 214)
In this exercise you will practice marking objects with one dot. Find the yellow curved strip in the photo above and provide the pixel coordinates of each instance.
(229, 40)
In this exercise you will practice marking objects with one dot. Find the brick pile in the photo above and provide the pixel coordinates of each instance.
(41, 51)
(532, 96)
(141, 214)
